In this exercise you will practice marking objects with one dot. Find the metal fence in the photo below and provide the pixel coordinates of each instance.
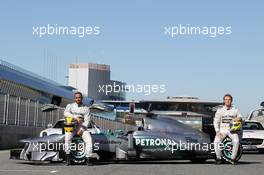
(26, 112)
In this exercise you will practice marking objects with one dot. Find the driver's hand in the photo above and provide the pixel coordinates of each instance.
(238, 119)
(78, 119)
(80, 132)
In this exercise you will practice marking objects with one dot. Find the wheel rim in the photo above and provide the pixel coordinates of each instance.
(228, 146)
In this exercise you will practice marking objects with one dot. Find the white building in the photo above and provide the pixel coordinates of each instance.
(90, 78)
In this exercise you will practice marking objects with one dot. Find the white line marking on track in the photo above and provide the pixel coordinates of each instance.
(54, 171)
(35, 171)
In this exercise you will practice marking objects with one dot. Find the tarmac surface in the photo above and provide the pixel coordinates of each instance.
(252, 164)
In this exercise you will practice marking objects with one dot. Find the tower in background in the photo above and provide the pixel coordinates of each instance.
(89, 77)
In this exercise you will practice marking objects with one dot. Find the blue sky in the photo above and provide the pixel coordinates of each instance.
(132, 41)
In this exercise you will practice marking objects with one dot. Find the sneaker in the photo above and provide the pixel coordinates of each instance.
(233, 162)
(218, 161)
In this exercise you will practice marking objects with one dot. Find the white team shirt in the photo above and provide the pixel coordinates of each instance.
(73, 110)
(224, 116)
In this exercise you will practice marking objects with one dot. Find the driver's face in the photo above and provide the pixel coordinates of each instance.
(227, 101)
(78, 99)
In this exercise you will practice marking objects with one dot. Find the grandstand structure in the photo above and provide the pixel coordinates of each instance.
(23, 95)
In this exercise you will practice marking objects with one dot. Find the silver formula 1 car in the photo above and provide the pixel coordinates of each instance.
(159, 138)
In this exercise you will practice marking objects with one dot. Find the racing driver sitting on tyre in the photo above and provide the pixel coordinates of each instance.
(224, 117)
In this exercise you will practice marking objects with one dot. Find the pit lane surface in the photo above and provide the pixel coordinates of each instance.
(252, 164)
